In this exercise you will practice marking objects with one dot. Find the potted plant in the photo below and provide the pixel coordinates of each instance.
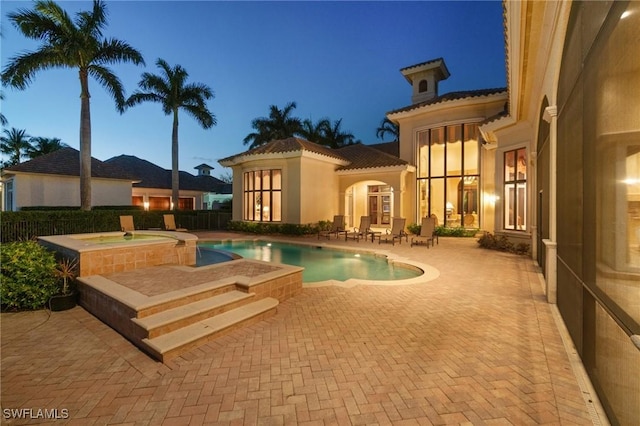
(66, 298)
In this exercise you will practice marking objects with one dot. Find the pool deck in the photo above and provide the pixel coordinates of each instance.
(474, 344)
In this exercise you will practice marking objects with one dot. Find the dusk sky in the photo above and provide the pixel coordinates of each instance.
(334, 59)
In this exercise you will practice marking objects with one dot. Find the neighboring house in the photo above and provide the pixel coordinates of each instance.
(153, 189)
(54, 180)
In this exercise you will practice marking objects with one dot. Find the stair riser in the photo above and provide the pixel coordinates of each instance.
(174, 303)
(183, 322)
(199, 342)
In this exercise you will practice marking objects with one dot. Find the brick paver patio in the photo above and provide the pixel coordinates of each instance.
(477, 345)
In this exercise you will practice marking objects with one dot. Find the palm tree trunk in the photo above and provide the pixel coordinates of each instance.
(85, 142)
(175, 174)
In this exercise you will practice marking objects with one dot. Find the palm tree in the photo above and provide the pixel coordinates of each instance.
(173, 93)
(388, 126)
(334, 137)
(279, 125)
(40, 146)
(76, 44)
(15, 143)
(314, 132)
(3, 119)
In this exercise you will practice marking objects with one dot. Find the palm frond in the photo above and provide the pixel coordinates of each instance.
(110, 82)
(116, 51)
(201, 115)
(21, 69)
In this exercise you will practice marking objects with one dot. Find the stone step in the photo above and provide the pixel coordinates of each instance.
(172, 319)
(172, 344)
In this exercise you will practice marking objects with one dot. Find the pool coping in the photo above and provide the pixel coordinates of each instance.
(429, 273)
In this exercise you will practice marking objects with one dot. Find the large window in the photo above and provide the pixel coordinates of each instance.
(515, 189)
(263, 195)
(448, 174)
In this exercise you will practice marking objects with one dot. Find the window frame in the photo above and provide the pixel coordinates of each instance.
(255, 190)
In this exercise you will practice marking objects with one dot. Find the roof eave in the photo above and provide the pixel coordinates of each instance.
(383, 169)
(446, 104)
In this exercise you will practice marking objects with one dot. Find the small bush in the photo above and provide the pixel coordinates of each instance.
(502, 243)
(414, 228)
(28, 272)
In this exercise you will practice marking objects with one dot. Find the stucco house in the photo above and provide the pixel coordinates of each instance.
(438, 167)
(53, 180)
(152, 190)
(553, 161)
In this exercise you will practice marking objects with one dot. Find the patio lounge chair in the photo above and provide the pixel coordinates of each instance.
(427, 231)
(126, 224)
(170, 224)
(396, 232)
(336, 227)
(360, 232)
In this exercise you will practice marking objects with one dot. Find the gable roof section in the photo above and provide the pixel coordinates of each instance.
(66, 162)
(154, 176)
(452, 96)
(281, 146)
(367, 157)
(352, 157)
(392, 148)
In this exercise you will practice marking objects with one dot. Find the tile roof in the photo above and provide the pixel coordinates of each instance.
(358, 156)
(452, 96)
(154, 176)
(291, 144)
(392, 148)
(367, 157)
(66, 162)
(421, 64)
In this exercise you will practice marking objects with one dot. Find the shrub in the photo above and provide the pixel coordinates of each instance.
(264, 228)
(28, 272)
(443, 231)
(414, 228)
(502, 243)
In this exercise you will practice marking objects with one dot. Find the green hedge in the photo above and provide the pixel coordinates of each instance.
(272, 228)
(26, 225)
(29, 278)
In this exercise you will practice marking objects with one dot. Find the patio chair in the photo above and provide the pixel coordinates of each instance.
(435, 224)
(427, 231)
(396, 232)
(126, 224)
(360, 232)
(170, 224)
(336, 227)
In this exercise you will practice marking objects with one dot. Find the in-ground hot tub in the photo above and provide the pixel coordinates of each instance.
(107, 252)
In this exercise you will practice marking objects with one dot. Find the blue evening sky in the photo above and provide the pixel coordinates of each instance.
(334, 59)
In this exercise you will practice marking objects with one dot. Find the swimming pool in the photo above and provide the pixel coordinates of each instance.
(320, 263)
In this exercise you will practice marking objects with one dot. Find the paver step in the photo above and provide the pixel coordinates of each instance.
(174, 343)
(172, 319)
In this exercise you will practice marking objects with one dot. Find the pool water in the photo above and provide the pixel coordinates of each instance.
(320, 264)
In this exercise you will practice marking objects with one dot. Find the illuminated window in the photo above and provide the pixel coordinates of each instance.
(515, 189)
(263, 196)
(448, 174)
